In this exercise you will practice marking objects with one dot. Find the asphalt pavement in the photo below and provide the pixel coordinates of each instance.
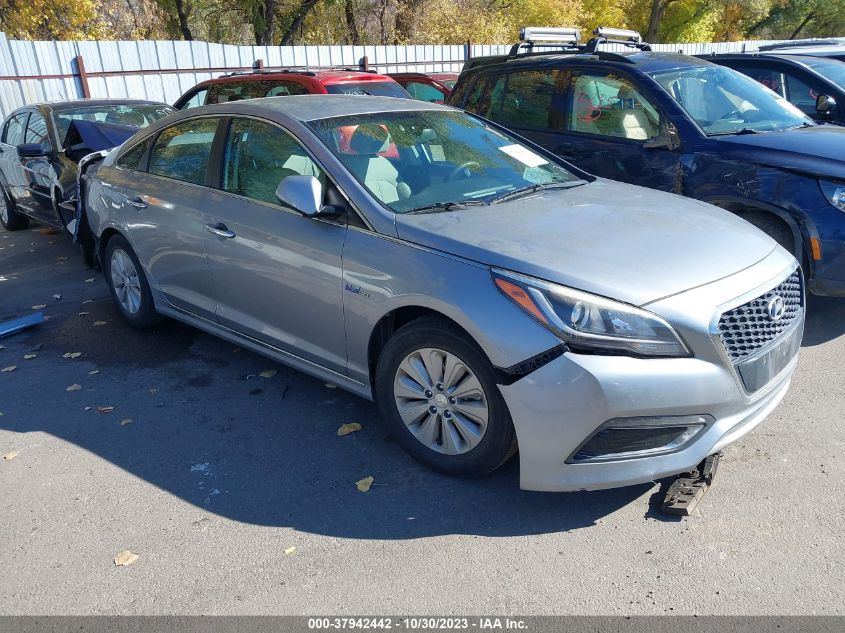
(238, 496)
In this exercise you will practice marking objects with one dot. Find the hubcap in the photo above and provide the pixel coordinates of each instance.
(4, 210)
(124, 278)
(441, 401)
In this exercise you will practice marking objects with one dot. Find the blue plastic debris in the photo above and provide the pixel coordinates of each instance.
(16, 325)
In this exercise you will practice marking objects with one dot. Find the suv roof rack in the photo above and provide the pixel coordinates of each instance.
(299, 70)
(567, 39)
(800, 43)
(606, 35)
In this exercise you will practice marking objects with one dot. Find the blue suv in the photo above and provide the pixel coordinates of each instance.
(676, 123)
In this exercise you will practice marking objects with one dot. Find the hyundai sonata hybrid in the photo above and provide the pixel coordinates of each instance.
(487, 295)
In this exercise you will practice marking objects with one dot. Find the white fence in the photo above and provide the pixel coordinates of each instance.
(164, 70)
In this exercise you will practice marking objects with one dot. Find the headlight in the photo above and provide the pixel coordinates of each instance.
(835, 193)
(589, 322)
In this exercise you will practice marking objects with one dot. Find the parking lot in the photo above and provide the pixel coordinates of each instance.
(212, 473)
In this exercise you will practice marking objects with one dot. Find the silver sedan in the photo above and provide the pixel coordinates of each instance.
(488, 296)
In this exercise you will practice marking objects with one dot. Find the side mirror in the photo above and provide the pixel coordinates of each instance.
(32, 150)
(668, 138)
(825, 104)
(303, 193)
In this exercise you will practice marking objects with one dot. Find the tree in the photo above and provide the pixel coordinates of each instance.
(50, 19)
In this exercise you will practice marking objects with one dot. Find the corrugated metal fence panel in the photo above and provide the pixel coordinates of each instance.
(183, 64)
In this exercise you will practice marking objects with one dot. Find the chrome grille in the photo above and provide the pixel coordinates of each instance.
(747, 328)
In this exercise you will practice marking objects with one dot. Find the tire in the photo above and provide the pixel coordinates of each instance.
(775, 228)
(86, 244)
(134, 301)
(454, 443)
(9, 217)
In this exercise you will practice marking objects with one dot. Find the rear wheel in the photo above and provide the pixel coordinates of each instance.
(437, 392)
(128, 284)
(9, 217)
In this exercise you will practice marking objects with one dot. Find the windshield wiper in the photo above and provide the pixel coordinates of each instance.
(740, 132)
(449, 205)
(524, 191)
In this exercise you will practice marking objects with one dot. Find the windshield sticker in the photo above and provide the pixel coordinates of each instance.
(524, 155)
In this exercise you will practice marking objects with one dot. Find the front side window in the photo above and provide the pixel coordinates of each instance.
(772, 79)
(131, 158)
(803, 93)
(610, 105)
(527, 100)
(415, 161)
(36, 131)
(259, 155)
(724, 101)
(182, 151)
(376, 88)
(424, 92)
(16, 129)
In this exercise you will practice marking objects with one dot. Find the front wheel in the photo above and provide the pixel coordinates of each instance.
(9, 217)
(437, 392)
(128, 284)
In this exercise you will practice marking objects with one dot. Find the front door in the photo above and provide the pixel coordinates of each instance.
(40, 173)
(608, 122)
(277, 273)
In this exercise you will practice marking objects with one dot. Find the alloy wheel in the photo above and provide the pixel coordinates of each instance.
(441, 401)
(4, 209)
(124, 277)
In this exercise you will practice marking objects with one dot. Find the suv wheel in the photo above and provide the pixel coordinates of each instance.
(128, 284)
(9, 218)
(438, 394)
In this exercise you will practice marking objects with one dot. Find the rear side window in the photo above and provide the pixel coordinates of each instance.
(182, 151)
(131, 158)
(527, 100)
(15, 129)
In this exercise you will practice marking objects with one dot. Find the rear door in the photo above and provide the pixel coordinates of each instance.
(161, 186)
(278, 274)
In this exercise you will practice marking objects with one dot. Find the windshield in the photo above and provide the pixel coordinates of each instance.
(139, 116)
(828, 68)
(449, 83)
(375, 88)
(413, 161)
(724, 101)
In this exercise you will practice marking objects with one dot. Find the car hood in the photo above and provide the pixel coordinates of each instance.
(817, 151)
(621, 241)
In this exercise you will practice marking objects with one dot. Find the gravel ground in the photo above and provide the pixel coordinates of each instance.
(221, 471)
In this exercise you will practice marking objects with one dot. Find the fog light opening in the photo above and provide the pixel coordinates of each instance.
(631, 438)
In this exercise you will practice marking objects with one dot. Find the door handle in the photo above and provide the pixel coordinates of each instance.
(138, 203)
(220, 229)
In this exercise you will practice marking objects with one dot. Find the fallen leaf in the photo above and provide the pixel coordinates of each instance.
(35, 348)
(125, 558)
(290, 550)
(348, 428)
(29, 356)
(40, 306)
(154, 391)
(57, 297)
(93, 372)
(364, 484)
(98, 323)
(83, 313)
(9, 368)
(330, 386)
(268, 373)
(74, 387)
(87, 408)
(10, 455)
(88, 301)
(72, 355)
(61, 257)
(89, 281)
(126, 421)
(105, 409)
(2, 347)
(47, 231)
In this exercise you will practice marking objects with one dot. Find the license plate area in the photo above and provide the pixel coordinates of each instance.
(760, 370)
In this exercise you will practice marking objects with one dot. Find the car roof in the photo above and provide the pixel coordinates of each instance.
(788, 57)
(81, 103)
(312, 107)
(644, 61)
